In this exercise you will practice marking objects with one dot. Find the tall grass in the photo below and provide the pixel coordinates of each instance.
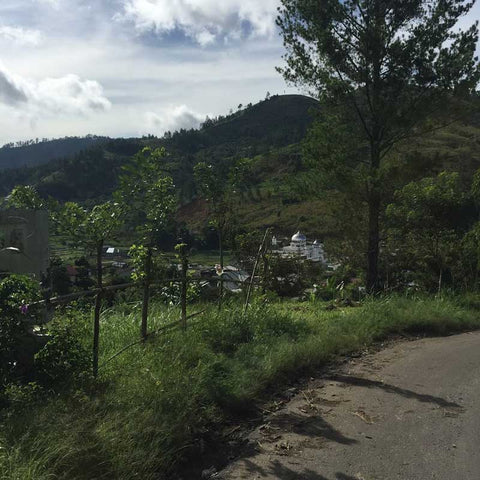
(153, 402)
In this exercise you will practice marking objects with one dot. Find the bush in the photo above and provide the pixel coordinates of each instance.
(63, 361)
(287, 276)
(16, 292)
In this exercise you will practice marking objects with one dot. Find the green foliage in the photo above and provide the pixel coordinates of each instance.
(353, 49)
(25, 197)
(64, 361)
(101, 221)
(390, 65)
(138, 255)
(89, 228)
(246, 248)
(83, 279)
(425, 234)
(170, 293)
(287, 276)
(156, 399)
(221, 185)
(57, 277)
(40, 151)
(148, 194)
(68, 220)
(227, 331)
(16, 292)
(213, 184)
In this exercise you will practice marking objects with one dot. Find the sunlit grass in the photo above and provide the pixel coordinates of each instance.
(152, 402)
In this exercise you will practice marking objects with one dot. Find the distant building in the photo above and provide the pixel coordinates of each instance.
(301, 248)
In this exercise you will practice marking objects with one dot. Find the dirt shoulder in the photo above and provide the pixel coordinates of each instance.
(411, 411)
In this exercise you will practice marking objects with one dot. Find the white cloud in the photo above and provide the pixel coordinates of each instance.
(51, 3)
(20, 35)
(67, 95)
(205, 21)
(172, 119)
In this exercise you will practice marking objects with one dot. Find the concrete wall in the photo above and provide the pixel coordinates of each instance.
(24, 242)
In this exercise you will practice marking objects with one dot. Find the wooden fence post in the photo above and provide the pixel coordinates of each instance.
(98, 306)
(146, 292)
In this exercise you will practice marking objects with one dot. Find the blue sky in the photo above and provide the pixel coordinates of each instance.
(132, 67)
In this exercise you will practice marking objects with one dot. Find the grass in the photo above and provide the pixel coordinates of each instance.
(155, 401)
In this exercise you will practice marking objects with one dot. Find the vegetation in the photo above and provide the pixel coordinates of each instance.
(389, 66)
(156, 403)
(148, 197)
(177, 358)
(40, 151)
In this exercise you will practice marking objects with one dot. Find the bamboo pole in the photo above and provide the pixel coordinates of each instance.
(250, 286)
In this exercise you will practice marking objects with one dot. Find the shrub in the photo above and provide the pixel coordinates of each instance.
(16, 292)
(63, 361)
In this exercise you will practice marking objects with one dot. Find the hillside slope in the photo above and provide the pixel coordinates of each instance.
(269, 133)
(35, 152)
(92, 173)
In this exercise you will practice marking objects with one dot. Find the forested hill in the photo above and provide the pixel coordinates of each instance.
(270, 134)
(37, 152)
(92, 173)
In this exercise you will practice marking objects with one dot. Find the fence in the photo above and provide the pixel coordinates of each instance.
(99, 293)
(184, 281)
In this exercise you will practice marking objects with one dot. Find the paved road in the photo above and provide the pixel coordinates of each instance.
(409, 412)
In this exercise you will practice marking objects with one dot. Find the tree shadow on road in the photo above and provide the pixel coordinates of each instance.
(365, 382)
(276, 469)
(314, 426)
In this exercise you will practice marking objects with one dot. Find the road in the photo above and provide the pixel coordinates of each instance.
(411, 412)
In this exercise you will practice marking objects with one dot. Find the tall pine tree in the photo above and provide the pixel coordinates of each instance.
(393, 64)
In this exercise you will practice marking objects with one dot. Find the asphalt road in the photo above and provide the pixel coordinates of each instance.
(411, 411)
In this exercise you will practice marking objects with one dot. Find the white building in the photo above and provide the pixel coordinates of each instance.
(300, 247)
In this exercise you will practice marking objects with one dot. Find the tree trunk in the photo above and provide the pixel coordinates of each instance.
(146, 293)
(374, 203)
(440, 278)
(98, 306)
(220, 246)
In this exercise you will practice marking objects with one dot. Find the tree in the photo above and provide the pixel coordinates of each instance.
(392, 65)
(219, 186)
(57, 277)
(90, 229)
(148, 196)
(427, 222)
(25, 196)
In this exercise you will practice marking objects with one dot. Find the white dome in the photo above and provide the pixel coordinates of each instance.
(299, 237)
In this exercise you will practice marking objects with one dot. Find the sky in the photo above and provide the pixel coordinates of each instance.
(133, 67)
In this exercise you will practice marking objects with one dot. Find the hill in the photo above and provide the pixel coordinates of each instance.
(38, 152)
(270, 134)
(91, 174)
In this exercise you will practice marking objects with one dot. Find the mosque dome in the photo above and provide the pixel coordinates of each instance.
(299, 237)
